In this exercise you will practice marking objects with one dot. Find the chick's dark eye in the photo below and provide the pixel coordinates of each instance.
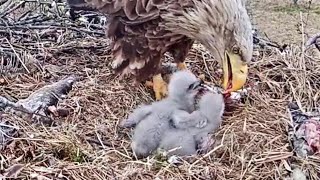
(195, 85)
(190, 87)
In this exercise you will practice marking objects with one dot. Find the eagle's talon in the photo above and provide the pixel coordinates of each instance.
(160, 87)
(202, 77)
(149, 84)
(182, 66)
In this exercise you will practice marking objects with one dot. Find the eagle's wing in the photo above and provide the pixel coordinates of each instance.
(141, 47)
(139, 37)
(133, 10)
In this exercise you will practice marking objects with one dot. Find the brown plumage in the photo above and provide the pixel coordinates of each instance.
(143, 30)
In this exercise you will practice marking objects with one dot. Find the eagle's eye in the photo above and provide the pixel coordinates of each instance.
(236, 50)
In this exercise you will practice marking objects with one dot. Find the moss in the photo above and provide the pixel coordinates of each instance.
(78, 156)
(70, 153)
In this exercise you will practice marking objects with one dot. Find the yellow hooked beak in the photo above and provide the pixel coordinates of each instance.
(235, 72)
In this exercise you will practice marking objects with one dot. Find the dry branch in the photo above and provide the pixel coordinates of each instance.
(42, 102)
(42, 30)
(263, 43)
(38, 106)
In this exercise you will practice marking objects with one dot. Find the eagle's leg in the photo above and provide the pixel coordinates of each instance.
(181, 66)
(180, 51)
(160, 87)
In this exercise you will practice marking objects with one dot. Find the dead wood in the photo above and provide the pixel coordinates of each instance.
(42, 102)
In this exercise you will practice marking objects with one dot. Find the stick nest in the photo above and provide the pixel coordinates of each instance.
(40, 45)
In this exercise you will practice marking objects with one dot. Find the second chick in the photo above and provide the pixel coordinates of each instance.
(188, 136)
(152, 121)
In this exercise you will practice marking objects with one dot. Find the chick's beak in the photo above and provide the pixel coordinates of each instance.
(235, 72)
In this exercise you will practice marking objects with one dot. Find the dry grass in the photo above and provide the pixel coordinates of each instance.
(88, 144)
(280, 20)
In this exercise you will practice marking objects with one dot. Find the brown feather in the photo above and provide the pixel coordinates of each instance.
(139, 41)
(143, 30)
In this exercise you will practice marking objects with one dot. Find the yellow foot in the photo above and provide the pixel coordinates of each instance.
(159, 86)
(182, 66)
(202, 77)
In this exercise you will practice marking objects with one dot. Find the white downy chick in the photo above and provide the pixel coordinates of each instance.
(153, 120)
(192, 129)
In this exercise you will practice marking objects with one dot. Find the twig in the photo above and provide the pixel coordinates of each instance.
(17, 55)
(12, 9)
(263, 43)
(34, 32)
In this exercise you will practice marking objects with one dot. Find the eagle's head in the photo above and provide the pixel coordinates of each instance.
(224, 28)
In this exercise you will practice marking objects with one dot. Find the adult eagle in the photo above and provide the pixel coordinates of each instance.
(143, 30)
